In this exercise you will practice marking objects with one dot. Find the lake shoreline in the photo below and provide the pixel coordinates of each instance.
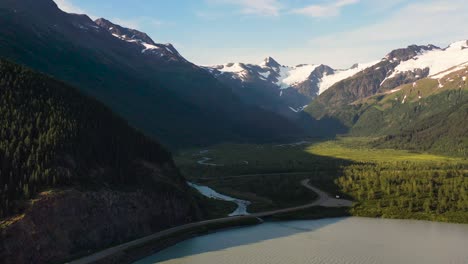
(136, 253)
(316, 241)
(150, 245)
(153, 246)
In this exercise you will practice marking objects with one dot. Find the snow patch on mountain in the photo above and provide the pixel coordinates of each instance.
(146, 46)
(265, 75)
(231, 67)
(449, 71)
(339, 75)
(437, 61)
(141, 40)
(295, 75)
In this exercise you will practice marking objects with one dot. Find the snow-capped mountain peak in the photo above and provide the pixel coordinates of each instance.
(270, 63)
(310, 80)
(434, 61)
(298, 85)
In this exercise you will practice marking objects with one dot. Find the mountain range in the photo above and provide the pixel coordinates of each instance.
(149, 84)
(88, 109)
(350, 100)
(280, 88)
(182, 104)
(286, 89)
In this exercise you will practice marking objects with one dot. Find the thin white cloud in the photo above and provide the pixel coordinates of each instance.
(254, 7)
(325, 10)
(437, 22)
(69, 7)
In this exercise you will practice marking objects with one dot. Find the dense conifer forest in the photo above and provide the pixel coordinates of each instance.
(51, 135)
(408, 190)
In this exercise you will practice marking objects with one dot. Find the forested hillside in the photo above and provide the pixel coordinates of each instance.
(78, 162)
(427, 115)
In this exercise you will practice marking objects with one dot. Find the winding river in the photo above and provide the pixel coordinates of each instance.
(210, 193)
(352, 240)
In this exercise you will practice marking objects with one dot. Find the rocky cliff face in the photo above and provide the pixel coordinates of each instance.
(71, 223)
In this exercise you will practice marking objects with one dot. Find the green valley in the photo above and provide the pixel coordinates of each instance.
(383, 182)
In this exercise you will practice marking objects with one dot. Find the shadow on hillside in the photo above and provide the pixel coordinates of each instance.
(327, 127)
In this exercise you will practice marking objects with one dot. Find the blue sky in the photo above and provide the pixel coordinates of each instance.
(334, 32)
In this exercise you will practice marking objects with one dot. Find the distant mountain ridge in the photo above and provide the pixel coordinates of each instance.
(283, 89)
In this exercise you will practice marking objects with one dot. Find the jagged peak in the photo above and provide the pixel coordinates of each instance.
(270, 62)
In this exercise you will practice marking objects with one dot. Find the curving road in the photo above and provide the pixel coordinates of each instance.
(324, 199)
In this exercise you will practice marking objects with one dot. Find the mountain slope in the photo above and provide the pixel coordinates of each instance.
(94, 180)
(415, 98)
(427, 115)
(433, 120)
(282, 89)
(401, 66)
(149, 84)
(370, 81)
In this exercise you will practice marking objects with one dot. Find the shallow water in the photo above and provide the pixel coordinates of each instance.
(331, 241)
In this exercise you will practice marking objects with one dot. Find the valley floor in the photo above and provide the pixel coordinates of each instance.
(281, 180)
(385, 183)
